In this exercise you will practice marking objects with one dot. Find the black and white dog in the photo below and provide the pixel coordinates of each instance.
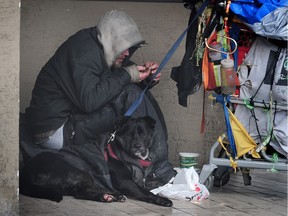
(121, 168)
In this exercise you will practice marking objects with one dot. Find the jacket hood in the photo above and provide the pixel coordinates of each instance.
(117, 33)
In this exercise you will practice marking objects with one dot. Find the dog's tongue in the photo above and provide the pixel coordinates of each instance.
(142, 159)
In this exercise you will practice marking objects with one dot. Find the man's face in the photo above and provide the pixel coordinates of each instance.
(120, 58)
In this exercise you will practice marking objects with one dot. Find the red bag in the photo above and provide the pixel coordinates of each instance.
(211, 66)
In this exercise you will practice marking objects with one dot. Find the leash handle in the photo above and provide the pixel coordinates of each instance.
(137, 102)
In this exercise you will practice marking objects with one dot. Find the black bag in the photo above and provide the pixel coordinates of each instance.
(188, 76)
(189, 80)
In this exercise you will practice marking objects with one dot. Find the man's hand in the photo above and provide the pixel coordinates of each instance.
(147, 69)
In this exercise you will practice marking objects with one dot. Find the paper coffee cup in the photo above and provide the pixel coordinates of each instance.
(188, 159)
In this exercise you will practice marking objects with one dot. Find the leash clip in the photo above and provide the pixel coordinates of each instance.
(112, 137)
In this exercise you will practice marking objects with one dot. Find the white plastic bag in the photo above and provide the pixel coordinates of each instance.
(185, 186)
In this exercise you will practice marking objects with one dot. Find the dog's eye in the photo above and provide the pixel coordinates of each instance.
(141, 132)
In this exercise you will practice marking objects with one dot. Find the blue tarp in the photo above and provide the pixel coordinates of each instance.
(265, 17)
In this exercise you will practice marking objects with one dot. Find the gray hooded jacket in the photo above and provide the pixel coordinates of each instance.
(79, 77)
(117, 33)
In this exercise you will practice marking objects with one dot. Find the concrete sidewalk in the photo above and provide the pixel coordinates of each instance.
(267, 196)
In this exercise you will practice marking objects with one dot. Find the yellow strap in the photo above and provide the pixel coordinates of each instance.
(233, 163)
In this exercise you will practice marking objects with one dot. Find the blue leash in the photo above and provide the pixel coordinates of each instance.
(223, 100)
(137, 102)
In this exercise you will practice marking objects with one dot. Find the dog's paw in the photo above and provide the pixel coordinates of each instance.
(114, 198)
(108, 198)
(163, 201)
(121, 198)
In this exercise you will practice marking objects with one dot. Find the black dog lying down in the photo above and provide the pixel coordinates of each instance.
(92, 172)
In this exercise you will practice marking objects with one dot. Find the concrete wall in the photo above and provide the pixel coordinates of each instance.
(9, 108)
(46, 24)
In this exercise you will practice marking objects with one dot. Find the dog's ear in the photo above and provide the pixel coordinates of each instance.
(120, 140)
(150, 121)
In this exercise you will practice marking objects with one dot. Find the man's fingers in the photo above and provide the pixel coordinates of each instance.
(141, 68)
